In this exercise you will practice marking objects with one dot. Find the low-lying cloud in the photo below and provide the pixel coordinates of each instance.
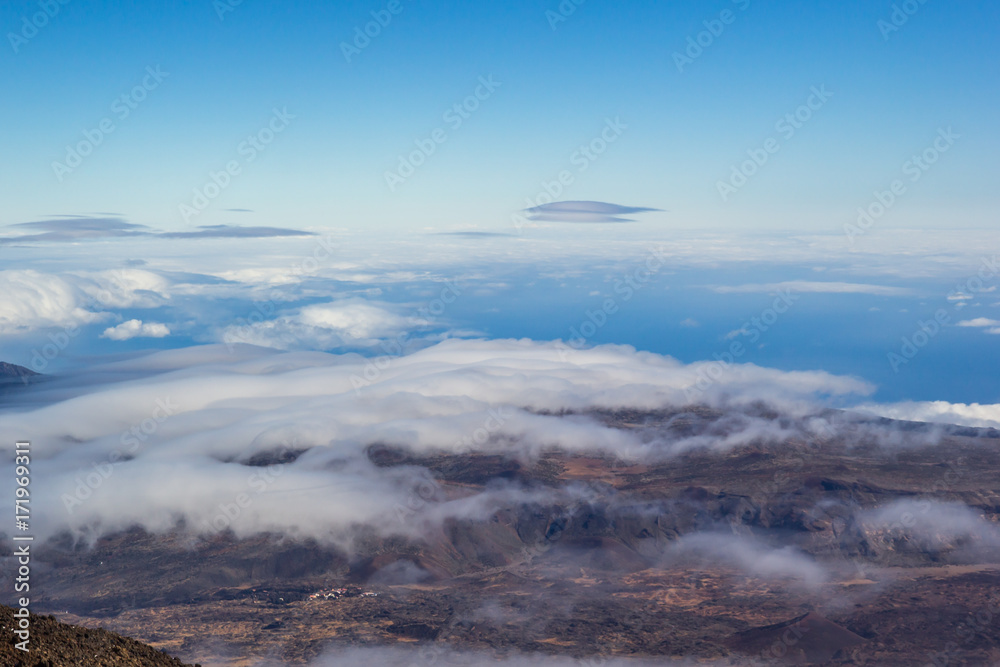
(933, 526)
(940, 412)
(167, 437)
(751, 557)
(437, 654)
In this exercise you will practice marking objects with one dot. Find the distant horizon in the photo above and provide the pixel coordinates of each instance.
(871, 306)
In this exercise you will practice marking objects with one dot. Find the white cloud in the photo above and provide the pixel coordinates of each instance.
(136, 329)
(193, 414)
(933, 525)
(348, 322)
(690, 322)
(357, 320)
(979, 322)
(125, 288)
(32, 300)
(806, 286)
(938, 412)
(752, 556)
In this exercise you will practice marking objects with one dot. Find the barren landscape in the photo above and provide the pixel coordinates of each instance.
(771, 552)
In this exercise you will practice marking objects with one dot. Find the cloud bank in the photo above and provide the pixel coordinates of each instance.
(169, 437)
(940, 412)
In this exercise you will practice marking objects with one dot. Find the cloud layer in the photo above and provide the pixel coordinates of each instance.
(806, 286)
(192, 419)
(82, 228)
(941, 412)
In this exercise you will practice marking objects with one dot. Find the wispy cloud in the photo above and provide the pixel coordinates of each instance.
(979, 322)
(232, 231)
(943, 412)
(814, 287)
(81, 228)
(74, 228)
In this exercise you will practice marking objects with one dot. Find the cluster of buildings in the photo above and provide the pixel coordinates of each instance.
(337, 593)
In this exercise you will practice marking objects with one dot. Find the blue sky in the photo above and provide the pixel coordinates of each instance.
(170, 169)
(891, 93)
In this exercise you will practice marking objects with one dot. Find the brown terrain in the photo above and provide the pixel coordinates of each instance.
(600, 575)
(55, 644)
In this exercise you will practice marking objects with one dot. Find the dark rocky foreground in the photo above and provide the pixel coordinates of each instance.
(605, 568)
(55, 644)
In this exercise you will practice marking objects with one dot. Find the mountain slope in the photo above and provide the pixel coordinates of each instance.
(14, 371)
(55, 644)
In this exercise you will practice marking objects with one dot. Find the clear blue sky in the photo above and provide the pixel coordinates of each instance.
(352, 120)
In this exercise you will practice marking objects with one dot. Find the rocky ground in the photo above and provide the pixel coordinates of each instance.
(787, 571)
(55, 644)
